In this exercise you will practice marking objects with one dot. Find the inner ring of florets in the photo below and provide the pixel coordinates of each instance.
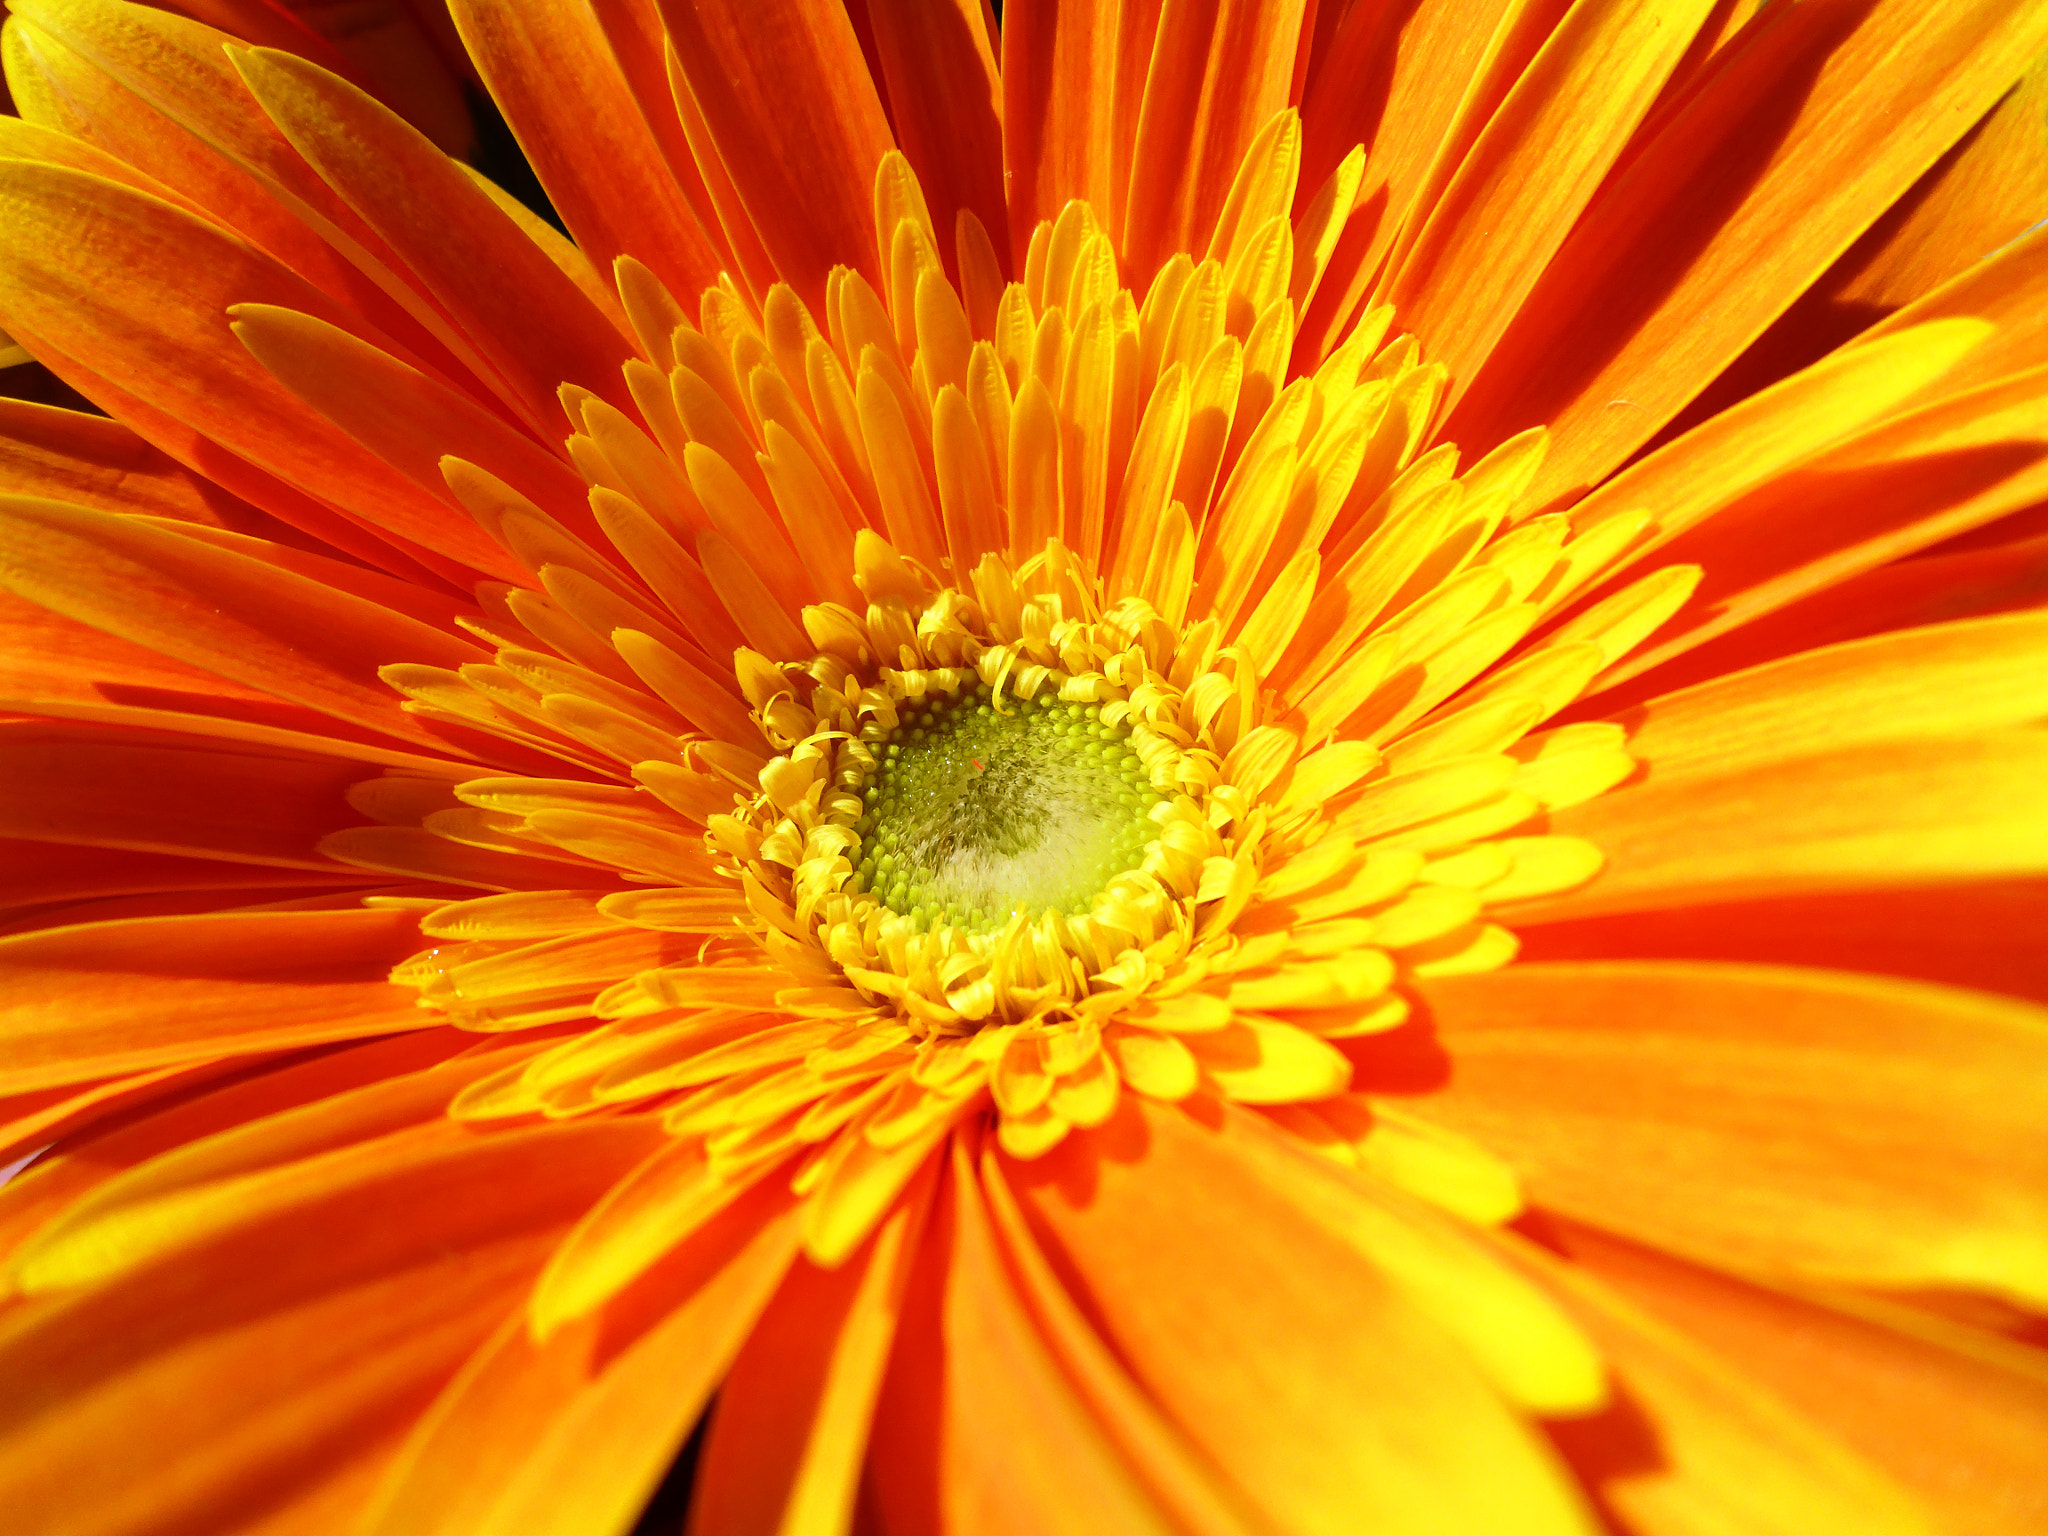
(977, 807)
(1101, 838)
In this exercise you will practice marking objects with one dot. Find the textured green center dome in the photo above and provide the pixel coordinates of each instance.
(980, 807)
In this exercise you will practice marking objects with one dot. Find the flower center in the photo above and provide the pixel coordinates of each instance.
(981, 806)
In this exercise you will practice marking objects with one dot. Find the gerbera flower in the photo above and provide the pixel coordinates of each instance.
(1249, 768)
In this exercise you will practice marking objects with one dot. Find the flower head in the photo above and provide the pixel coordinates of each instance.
(1152, 772)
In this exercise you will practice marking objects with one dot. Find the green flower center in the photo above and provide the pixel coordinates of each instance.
(979, 807)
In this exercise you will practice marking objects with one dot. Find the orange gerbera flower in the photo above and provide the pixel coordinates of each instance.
(1237, 768)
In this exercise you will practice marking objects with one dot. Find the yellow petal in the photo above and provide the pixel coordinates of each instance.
(1258, 1062)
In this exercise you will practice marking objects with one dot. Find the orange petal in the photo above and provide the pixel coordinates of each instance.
(806, 178)
(2004, 288)
(1978, 198)
(1413, 89)
(1943, 680)
(1695, 1447)
(1902, 813)
(405, 417)
(529, 322)
(946, 102)
(1507, 1328)
(356, 1285)
(1186, 1485)
(979, 1428)
(1072, 82)
(30, 1123)
(409, 58)
(1984, 935)
(430, 604)
(561, 1437)
(729, 219)
(787, 1438)
(367, 1357)
(1219, 1294)
(287, 893)
(551, 70)
(276, 27)
(156, 93)
(651, 1212)
(66, 872)
(372, 1104)
(218, 729)
(2003, 578)
(419, 854)
(1957, 1416)
(1716, 225)
(46, 658)
(90, 461)
(123, 997)
(241, 618)
(78, 784)
(189, 1111)
(1887, 493)
(1797, 1123)
(86, 271)
(306, 519)
(1761, 441)
(1191, 134)
(1533, 169)
(640, 46)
